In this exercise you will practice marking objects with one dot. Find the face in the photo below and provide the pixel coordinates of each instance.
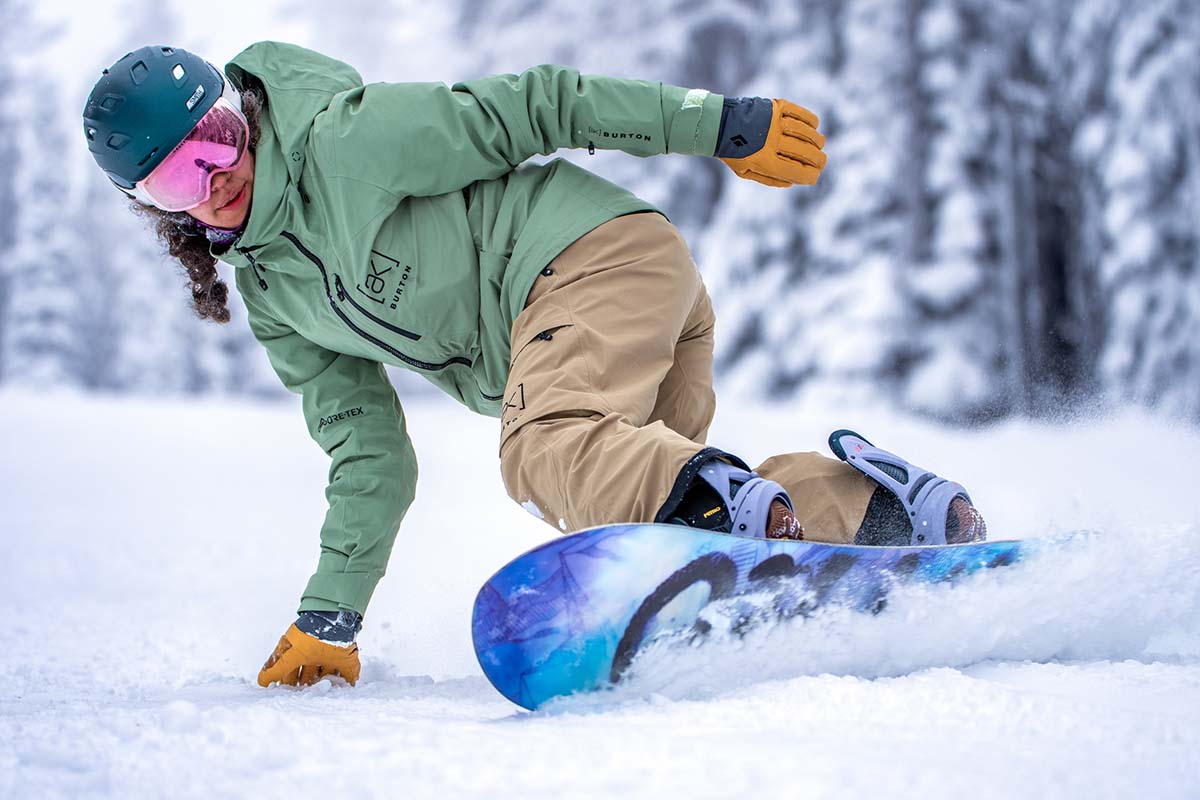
(229, 202)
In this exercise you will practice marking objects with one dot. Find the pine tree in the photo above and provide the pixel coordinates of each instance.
(1151, 173)
(13, 19)
(962, 267)
(1051, 302)
(43, 273)
(96, 317)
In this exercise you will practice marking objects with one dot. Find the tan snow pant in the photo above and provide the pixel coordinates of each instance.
(610, 390)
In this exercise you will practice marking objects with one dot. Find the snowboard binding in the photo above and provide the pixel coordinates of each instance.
(746, 496)
(939, 511)
(730, 498)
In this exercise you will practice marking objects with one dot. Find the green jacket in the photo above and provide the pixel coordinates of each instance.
(393, 223)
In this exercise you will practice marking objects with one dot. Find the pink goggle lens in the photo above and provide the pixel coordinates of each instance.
(184, 179)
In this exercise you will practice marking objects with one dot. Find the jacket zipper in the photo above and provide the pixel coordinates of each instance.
(258, 271)
(313, 257)
(342, 294)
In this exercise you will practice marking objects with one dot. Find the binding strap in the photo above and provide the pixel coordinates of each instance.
(925, 497)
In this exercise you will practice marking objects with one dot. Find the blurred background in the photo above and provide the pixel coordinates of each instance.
(1007, 226)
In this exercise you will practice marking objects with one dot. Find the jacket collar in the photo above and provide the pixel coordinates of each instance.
(298, 84)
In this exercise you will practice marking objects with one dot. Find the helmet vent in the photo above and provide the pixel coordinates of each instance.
(143, 106)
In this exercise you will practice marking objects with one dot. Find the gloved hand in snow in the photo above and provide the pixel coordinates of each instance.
(770, 141)
(318, 645)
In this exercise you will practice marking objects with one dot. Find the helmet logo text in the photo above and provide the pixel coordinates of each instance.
(196, 97)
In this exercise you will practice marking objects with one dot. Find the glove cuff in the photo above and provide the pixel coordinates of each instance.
(337, 627)
(745, 123)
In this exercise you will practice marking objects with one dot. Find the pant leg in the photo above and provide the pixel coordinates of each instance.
(594, 344)
(830, 496)
(686, 401)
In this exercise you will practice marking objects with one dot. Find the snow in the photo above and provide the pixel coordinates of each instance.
(153, 552)
(533, 509)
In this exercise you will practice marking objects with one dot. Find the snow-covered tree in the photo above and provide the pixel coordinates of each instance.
(96, 315)
(1148, 161)
(963, 260)
(42, 338)
(13, 19)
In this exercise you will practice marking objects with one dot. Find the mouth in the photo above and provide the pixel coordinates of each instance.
(234, 201)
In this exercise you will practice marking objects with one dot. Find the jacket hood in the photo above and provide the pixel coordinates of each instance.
(299, 84)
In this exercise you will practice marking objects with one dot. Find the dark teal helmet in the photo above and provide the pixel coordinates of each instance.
(143, 106)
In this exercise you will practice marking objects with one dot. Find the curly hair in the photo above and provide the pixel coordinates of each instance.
(185, 239)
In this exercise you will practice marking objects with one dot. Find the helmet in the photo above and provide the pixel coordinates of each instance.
(143, 106)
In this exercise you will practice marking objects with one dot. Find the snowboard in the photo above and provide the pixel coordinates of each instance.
(571, 615)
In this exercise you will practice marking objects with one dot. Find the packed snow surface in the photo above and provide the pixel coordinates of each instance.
(153, 553)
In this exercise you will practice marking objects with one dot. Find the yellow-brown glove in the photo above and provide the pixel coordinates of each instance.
(774, 142)
(302, 660)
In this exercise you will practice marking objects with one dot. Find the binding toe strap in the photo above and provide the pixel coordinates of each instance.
(925, 497)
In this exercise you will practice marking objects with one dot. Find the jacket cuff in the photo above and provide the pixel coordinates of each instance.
(695, 119)
(336, 591)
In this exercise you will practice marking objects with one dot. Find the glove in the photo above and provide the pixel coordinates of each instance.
(770, 141)
(318, 645)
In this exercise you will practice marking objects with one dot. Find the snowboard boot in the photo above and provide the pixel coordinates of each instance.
(714, 494)
(911, 506)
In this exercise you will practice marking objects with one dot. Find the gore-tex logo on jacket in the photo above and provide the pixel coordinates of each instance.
(338, 417)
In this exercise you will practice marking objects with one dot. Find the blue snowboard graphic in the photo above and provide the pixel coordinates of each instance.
(570, 616)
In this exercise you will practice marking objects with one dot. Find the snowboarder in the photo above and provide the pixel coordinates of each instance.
(396, 223)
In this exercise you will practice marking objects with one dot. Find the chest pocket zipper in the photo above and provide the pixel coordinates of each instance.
(426, 365)
(342, 294)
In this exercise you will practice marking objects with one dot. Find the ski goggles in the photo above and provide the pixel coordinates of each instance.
(216, 144)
